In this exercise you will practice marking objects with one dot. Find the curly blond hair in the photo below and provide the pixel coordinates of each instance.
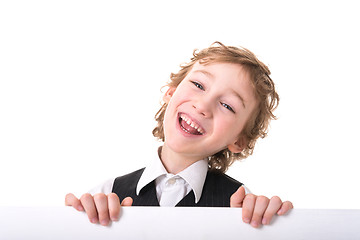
(268, 99)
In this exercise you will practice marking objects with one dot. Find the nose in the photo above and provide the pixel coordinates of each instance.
(203, 107)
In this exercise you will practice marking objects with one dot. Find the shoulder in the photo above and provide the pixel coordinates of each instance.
(220, 182)
(222, 178)
(132, 175)
(129, 180)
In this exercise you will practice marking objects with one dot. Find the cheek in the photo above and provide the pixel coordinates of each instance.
(231, 128)
(170, 116)
(179, 100)
(228, 127)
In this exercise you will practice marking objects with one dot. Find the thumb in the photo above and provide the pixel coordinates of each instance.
(71, 200)
(127, 202)
(236, 200)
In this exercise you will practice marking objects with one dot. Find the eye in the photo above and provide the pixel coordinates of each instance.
(198, 85)
(228, 107)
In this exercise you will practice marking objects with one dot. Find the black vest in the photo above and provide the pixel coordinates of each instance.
(217, 191)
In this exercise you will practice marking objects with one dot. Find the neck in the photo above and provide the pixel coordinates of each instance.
(175, 162)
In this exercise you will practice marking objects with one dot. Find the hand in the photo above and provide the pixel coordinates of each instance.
(258, 210)
(100, 207)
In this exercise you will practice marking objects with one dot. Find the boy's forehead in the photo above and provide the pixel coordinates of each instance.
(199, 68)
(210, 64)
(217, 69)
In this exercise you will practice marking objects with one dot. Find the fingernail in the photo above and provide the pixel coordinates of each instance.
(80, 208)
(264, 221)
(94, 220)
(254, 224)
(246, 220)
(104, 222)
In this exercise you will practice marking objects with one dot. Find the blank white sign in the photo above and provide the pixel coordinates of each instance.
(175, 223)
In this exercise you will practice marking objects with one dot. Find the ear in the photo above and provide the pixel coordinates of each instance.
(169, 93)
(237, 146)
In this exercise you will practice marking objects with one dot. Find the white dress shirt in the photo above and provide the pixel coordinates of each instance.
(191, 178)
(170, 188)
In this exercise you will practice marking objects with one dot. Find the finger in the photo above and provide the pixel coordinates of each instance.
(236, 200)
(88, 203)
(101, 203)
(285, 207)
(274, 206)
(260, 206)
(248, 207)
(114, 206)
(71, 200)
(127, 202)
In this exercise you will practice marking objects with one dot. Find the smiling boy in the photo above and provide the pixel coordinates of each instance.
(214, 110)
(217, 99)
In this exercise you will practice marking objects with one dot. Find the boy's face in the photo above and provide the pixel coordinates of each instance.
(208, 110)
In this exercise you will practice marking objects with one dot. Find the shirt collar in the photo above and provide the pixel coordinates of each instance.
(153, 170)
(194, 175)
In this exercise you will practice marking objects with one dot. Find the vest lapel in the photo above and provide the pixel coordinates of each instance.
(147, 196)
(187, 201)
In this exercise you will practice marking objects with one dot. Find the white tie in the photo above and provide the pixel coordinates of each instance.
(173, 191)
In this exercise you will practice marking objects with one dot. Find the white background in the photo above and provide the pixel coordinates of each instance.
(80, 83)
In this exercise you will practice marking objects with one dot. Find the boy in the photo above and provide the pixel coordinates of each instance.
(215, 109)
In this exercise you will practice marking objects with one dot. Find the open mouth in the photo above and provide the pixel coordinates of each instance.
(188, 126)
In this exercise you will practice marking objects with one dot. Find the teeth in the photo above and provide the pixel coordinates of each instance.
(192, 124)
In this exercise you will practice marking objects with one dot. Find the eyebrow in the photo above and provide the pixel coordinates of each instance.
(239, 96)
(205, 73)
